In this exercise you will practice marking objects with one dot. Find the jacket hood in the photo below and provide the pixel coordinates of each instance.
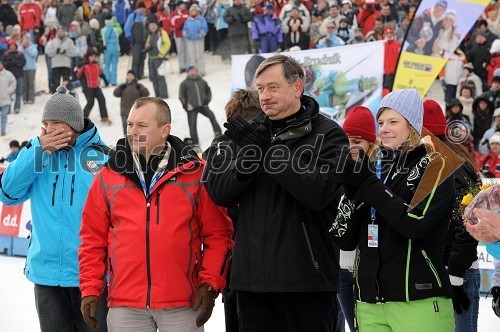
(475, 104)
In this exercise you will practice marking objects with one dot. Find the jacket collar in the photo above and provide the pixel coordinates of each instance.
(181, 157)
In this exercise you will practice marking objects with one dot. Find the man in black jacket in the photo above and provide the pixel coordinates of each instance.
(195, 95)
(279, 170)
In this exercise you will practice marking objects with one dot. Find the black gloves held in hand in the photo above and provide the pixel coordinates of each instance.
(495, 291)
(460, 299)
(89, 310)
(205, 301)
(60, 51)
(243, 133)
(352, 172)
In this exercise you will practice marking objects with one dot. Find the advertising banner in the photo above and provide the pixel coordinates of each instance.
(433, 36)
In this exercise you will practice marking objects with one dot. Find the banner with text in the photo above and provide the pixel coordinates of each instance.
(433, 36)
(339, 78)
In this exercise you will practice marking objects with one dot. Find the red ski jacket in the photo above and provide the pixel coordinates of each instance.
(156, 249)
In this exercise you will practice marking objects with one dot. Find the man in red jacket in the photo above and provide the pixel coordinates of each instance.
(30, 17)
(177, 19)
(392, 48)
(150, 225)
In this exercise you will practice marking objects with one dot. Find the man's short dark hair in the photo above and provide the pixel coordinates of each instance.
(292, 70)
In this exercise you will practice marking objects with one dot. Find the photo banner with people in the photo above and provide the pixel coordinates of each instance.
(338, 78)
(432, 39)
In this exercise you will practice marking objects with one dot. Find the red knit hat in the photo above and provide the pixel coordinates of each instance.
(360, 123)
(434, 119)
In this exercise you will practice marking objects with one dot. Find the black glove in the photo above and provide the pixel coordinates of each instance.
(460, 299)
(352, 174)
(495, 291)
(60, 51)
(244, 133)
(123, 86)
(205, 301)
(89, 310)
(2, 160)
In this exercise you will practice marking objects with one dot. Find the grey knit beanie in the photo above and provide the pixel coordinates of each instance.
(408, 103)
(65, 108)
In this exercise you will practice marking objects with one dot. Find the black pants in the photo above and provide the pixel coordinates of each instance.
(450, 93)
(193, 116)
(58, 309)
(90, 95)
(138, 58)
(57, 74)
(287, 312)
(124, 124)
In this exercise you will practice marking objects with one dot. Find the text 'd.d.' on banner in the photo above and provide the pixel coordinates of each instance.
(432, 39)
(339, 78)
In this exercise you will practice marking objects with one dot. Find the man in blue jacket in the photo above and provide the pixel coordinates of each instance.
(55, 171)
(136, 33)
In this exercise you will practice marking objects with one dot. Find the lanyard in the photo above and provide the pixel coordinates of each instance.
(379, 175)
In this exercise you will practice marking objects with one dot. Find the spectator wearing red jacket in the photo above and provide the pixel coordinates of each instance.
(367, 16)
(89, 75)
(177, 19)
(392, 48)
(489, 164)
(30, 18)
(150, 223)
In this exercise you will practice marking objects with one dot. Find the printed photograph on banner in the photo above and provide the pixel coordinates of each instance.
(440, 25)
(338, 78)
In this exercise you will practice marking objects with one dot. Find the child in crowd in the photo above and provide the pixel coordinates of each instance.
(489, 164)
(91, 71)
(14, 151)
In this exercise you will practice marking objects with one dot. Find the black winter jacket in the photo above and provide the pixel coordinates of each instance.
(460, 249)
(282, 243)
(237, 17)
(408, 264)
(194, 92)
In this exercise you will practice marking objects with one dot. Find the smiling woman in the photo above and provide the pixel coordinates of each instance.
(387, 213)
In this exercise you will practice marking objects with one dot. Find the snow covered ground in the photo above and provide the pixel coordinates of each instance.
(17, 308)
(18, 313)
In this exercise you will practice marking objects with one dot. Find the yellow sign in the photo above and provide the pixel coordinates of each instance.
(417, 71)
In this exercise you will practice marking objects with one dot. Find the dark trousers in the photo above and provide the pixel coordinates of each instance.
(211, 39)
(58, 309)
(29, 86)
(138, 58)
(158, 78)
(239, 44)
(346, 296)
(124, 124)
(450, 93)
(57, 74)
(287, 312)
(90, 95)
(230, 311)
(124, 44)
(223, 48)
(192, 118)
